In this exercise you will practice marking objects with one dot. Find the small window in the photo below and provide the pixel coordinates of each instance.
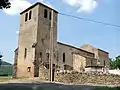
(63, 57)
(50, 15)
(29, 69)
(25, 54)
(104, 62)
(30, 14)
(45, 13)
(26, 16)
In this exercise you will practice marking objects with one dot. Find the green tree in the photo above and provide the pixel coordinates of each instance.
(0, 60)
(112, 64)
(4, 4)
(117, 62)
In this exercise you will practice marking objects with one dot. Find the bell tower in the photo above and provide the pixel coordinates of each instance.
(34, 42)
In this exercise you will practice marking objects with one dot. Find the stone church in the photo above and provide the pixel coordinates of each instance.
(32, 55)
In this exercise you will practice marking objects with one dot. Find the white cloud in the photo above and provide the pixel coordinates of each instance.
(83, 5)
(17, 6)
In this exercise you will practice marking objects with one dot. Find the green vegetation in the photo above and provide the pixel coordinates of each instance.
(115, 63)
(0, 60)
(6, 70)
(107, 88)
(5, 67)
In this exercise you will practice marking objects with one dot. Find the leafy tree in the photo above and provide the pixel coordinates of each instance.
(115, 64)
(112, 64)
(4, 4)
(118, 62)
(0, 60)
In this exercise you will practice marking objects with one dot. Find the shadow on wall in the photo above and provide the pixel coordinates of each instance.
(52, 86)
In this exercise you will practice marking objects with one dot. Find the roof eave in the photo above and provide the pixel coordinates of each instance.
(38, 3)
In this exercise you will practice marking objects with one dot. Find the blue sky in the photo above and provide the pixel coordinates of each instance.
(72, 31)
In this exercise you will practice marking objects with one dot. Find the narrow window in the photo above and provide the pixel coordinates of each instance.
(30, 14)
(29, 69)
(26, 16)
(45, 13)
(50, 15)
(63, 57)
(25, 54)
(104, 62)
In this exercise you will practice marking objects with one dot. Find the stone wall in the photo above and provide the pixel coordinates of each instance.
(104, 58)
(90, 49)
(70, 52)
(79, 63)
(15, 63)
(34, 38)
(43, 73)
(101, 56)
(27, 36)
(84, 78)
(42, 49)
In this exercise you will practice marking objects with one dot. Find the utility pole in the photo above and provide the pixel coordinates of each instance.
(51, 49)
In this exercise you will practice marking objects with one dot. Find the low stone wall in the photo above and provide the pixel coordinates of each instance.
(116, 72)
(82, 78)
(43, 73)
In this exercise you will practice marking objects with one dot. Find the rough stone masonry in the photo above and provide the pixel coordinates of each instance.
(32, 55)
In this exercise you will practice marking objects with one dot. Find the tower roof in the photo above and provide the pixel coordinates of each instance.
(38, 3)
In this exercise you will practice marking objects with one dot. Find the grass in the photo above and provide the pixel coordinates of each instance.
(5, 78)
(107, 88)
